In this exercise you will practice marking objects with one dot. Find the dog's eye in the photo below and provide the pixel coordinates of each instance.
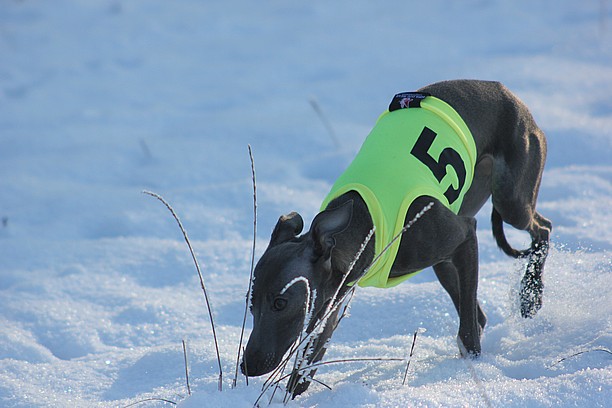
(279, 304)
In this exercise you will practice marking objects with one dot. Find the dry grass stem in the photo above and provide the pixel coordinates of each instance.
(186, 367)
(248, 295)
(326, 122)
(149, 400)
(579, 353)
(197, 265)
(410, 356)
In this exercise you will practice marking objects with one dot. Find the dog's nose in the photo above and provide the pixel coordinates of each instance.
(258, 364)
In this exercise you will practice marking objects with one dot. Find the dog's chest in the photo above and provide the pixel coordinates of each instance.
(420, 148)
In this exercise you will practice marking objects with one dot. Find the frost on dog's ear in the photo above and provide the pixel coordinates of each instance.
(329, 223)
(287, 227)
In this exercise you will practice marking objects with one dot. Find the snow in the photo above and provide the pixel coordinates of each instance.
(100, 100)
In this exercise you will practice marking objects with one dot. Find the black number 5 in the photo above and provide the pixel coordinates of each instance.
(438, 167)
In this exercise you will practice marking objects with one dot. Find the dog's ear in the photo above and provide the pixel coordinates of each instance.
(329, 223)
(287, 227)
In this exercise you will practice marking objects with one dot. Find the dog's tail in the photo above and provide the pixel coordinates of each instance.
(498, 232)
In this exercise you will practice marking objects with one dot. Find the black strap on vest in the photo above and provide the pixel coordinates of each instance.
(407, 100)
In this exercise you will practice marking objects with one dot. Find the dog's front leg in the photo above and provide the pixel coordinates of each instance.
(300, 379)
(465, 259)
(448, 242)
(448, 276)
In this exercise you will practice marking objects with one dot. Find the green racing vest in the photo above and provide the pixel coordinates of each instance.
(420, 146)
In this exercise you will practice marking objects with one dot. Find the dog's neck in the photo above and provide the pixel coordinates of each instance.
(348, 242)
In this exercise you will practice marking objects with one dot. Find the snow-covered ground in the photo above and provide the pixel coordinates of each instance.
(102, 99)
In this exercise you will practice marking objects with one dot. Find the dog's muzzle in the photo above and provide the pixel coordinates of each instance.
(256, 364)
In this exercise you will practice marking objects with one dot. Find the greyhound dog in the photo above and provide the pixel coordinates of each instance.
(298, 276)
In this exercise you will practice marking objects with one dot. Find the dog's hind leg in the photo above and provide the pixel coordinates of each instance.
(516, 181)
(531, 285)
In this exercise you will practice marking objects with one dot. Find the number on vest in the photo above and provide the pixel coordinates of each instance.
(438, 167)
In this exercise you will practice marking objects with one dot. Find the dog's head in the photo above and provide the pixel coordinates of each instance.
(292, 280)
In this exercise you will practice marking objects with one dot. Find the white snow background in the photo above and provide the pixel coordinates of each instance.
(102, 99)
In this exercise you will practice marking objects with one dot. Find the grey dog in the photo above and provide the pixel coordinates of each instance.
(298, 276)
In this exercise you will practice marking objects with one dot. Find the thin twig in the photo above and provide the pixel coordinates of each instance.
(322, 383)
(346, 360)
(149, 400)
(309, 306)
(323, 363)
(328, 126)
(410, 356)
(186, 367)
(145, 149)
(579, 353)
(197, 265)
(248, 295)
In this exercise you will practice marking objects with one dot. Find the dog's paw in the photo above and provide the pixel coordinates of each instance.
(473, 352)
(530, 296)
